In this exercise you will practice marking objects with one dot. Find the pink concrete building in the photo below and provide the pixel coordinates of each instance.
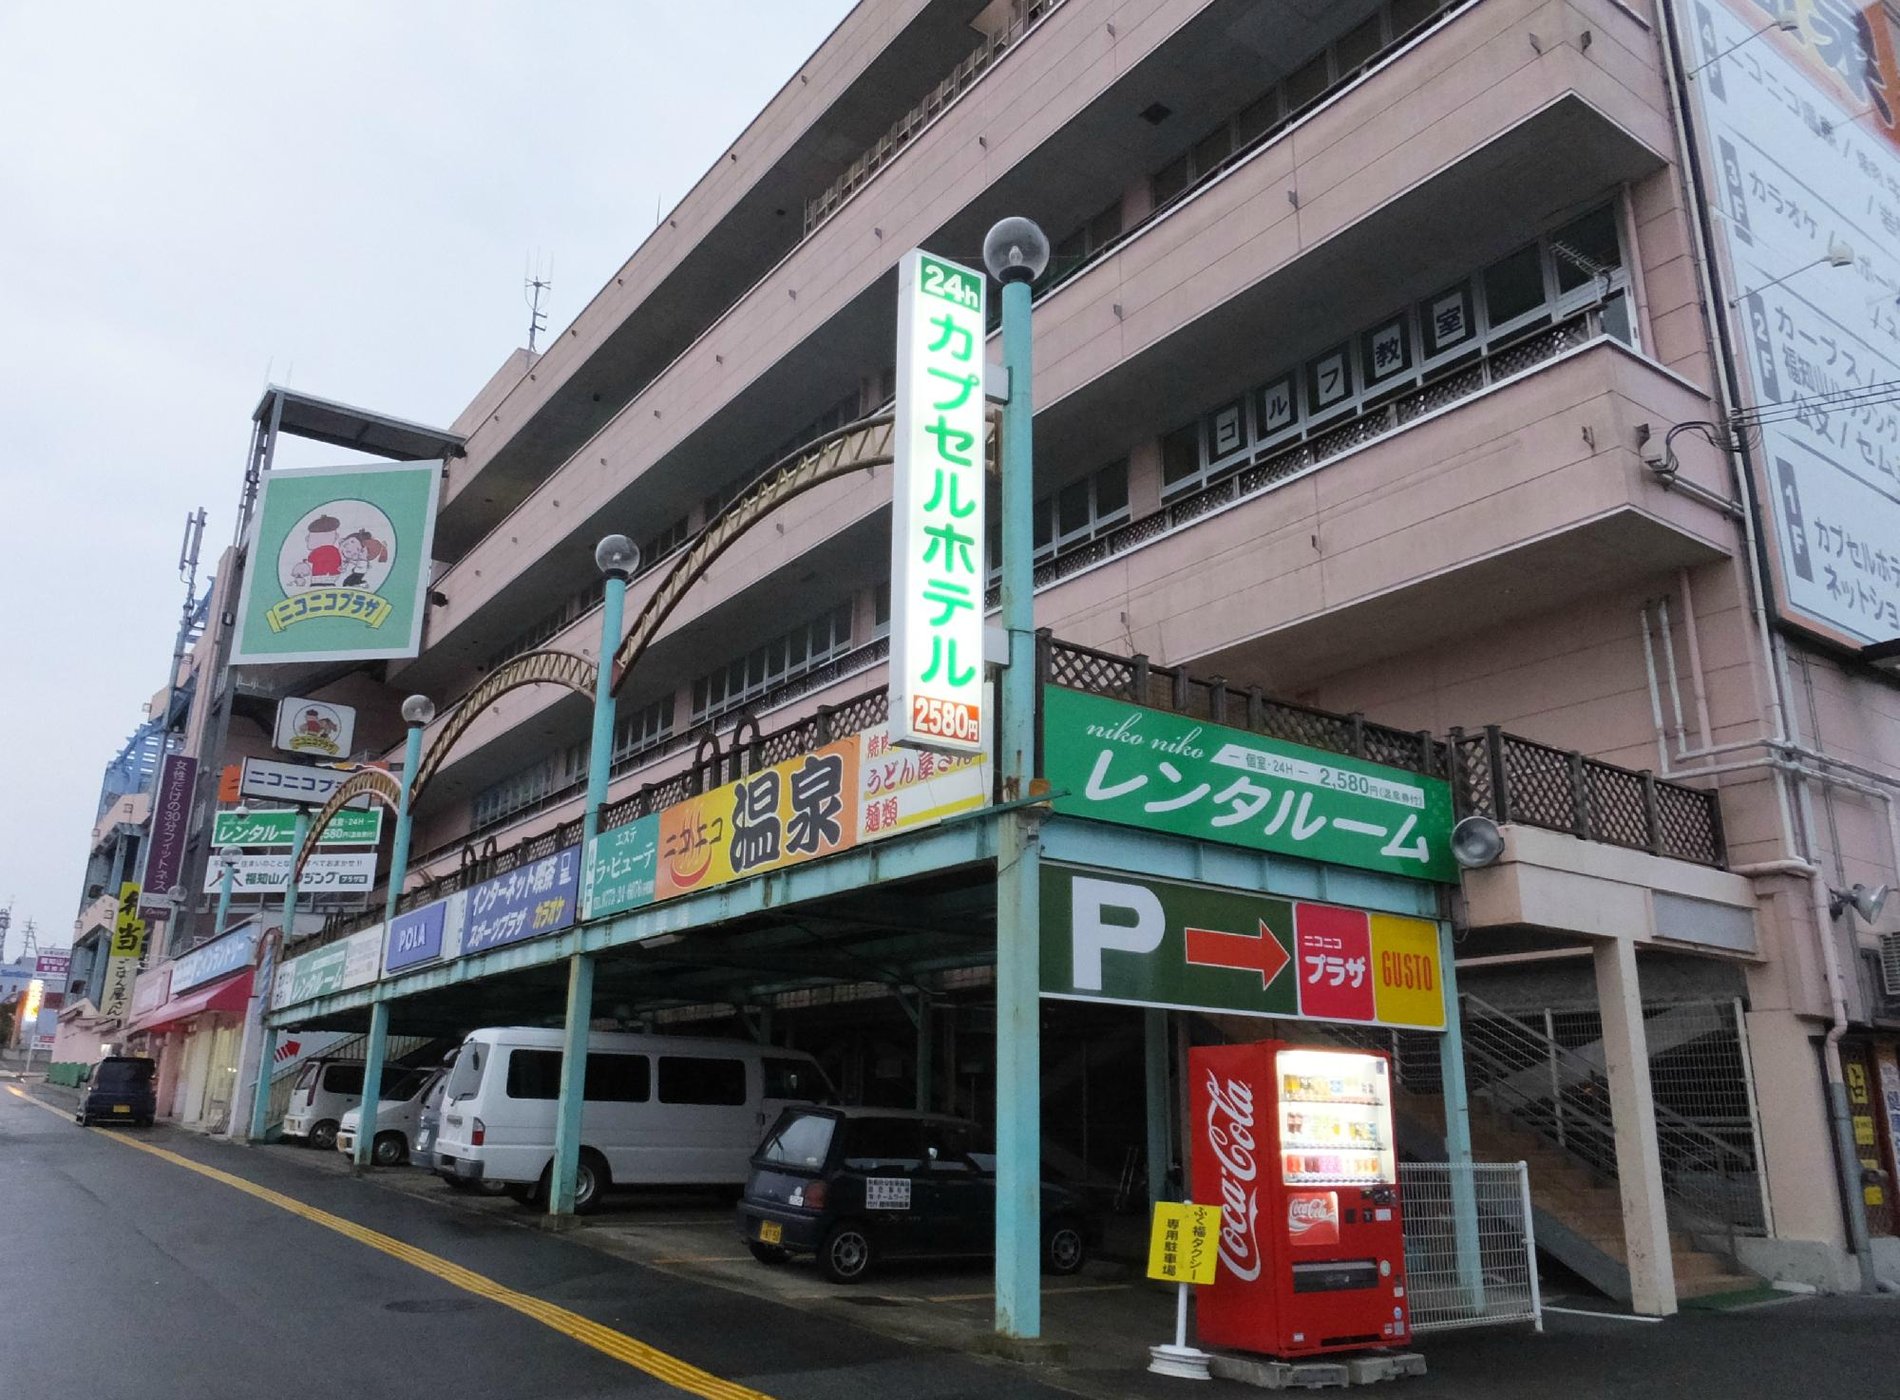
(1357, 369)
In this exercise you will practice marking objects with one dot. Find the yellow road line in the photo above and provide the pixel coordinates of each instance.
(654, 1362)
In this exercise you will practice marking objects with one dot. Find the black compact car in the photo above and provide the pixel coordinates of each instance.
(122, 1089)
(855, 1186)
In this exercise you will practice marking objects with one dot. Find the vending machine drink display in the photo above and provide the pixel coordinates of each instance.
(1294, 1144)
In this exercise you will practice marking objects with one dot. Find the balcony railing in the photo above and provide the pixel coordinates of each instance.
(1281, 464)
(1492, 773)
(1511, 779)
(910, 126)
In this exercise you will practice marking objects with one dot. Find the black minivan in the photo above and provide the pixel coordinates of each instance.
(122, 1089)
(858, 1185)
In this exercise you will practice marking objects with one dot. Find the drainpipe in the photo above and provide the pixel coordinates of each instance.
(1669, 664)
(1704, 726)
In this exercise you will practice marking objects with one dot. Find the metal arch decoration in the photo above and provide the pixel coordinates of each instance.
(530, 668)
(856, 447)
(365, 782)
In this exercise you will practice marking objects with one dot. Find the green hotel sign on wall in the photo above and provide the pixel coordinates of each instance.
(1127, 764)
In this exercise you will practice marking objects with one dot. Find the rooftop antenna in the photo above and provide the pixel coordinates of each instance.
(6, 922)
(535, 283)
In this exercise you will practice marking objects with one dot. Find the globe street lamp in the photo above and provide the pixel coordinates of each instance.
(619, 559)
(1016, 251)
(227, 862)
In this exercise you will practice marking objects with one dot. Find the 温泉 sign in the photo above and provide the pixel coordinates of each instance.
(1109, 937)
(530, 900)
(938, 571)
(325, 873)
(339, 561)
(1165, 772)
(274, 780)
(857, 790)
(314, 727)
(793, 811)
(171, 825)
(1803, 156)
(335, 967)
(278, 827)
(426, 934)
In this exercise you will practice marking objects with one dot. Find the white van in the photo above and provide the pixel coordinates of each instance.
(657, 1109)
(398, 1119)
(325, 1090)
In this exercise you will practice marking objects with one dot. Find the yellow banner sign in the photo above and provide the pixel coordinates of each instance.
(128, 930)
(790, 812)
(1181, 1246)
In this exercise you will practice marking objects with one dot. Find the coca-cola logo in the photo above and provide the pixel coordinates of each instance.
(1309, 1211)
(1230, 1137)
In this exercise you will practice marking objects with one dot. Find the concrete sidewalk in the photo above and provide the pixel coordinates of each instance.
(1101, 1323)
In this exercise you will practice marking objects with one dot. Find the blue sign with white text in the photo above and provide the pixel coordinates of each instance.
(415, 937)
(538, 898)
(214, 959)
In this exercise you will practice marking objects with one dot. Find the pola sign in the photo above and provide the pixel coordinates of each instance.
(1107, 936)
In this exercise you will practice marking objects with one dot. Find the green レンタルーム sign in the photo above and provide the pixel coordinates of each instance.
(338, 564)
(276, 827)
(1158, 771)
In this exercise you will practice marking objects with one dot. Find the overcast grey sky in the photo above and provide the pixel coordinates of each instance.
(195, 197)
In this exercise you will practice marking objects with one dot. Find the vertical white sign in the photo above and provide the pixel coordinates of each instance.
(1803, 162)
(939, 565)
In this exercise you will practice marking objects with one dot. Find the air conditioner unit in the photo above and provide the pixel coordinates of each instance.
(1890, 964)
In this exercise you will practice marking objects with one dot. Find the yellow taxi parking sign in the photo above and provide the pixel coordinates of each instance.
(1181, 1245)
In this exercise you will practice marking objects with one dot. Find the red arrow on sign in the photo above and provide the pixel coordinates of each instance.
(1209, 947)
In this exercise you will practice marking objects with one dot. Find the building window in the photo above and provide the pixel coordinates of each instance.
(1087, 507)
(526, 786)
(1578, 267)
(844, 411)
(643, 728)
(661, 543)
(786, 657)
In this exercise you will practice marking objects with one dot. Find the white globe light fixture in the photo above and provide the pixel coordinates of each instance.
(1016, 250)
(418, 709)
(617, 555)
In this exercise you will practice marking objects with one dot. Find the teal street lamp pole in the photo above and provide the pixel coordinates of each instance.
(228, 862)
(267, 974)
(1015, 252)
(618, 558)
(417, 711)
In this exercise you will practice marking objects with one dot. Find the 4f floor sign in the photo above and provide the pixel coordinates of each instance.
(1107, 936)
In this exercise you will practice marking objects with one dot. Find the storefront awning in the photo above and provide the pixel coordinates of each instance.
(228, 994)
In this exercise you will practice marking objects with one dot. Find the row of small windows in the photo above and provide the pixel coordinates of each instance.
(1578, 266)
(845, 410)
(784, 658)
(529, 785)
(1332, 67)
(1088, 506)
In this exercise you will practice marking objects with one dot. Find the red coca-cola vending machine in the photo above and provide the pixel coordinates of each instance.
(1294, 1144)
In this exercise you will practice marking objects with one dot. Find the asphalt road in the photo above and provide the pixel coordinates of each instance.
(123, 1274)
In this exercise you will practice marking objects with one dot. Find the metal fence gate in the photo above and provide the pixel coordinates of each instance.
(1504, 1287)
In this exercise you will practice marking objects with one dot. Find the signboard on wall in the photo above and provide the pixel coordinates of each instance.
(426, 934)
(938, 538)
(1803, 163)
(335, 967)
(325, 873)
(214, 959)
(1159, 771)
(272, 780)
(1108, 936)
(278, 827)
(338, 564)
(171, 827)
(530, 900)
(314, 727)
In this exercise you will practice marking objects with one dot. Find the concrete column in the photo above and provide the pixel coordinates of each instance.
(1155, 1051)
(1652, 1267)
(925, 1066)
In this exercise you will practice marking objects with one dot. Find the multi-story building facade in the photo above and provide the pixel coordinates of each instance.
(1366, 331)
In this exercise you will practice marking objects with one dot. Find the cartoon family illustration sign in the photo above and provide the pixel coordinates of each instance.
(338, 562)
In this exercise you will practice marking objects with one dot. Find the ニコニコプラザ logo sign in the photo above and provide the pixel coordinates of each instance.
(332, 563)
(338, 564)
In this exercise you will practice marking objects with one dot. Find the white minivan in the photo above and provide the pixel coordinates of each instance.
(673, 1110)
